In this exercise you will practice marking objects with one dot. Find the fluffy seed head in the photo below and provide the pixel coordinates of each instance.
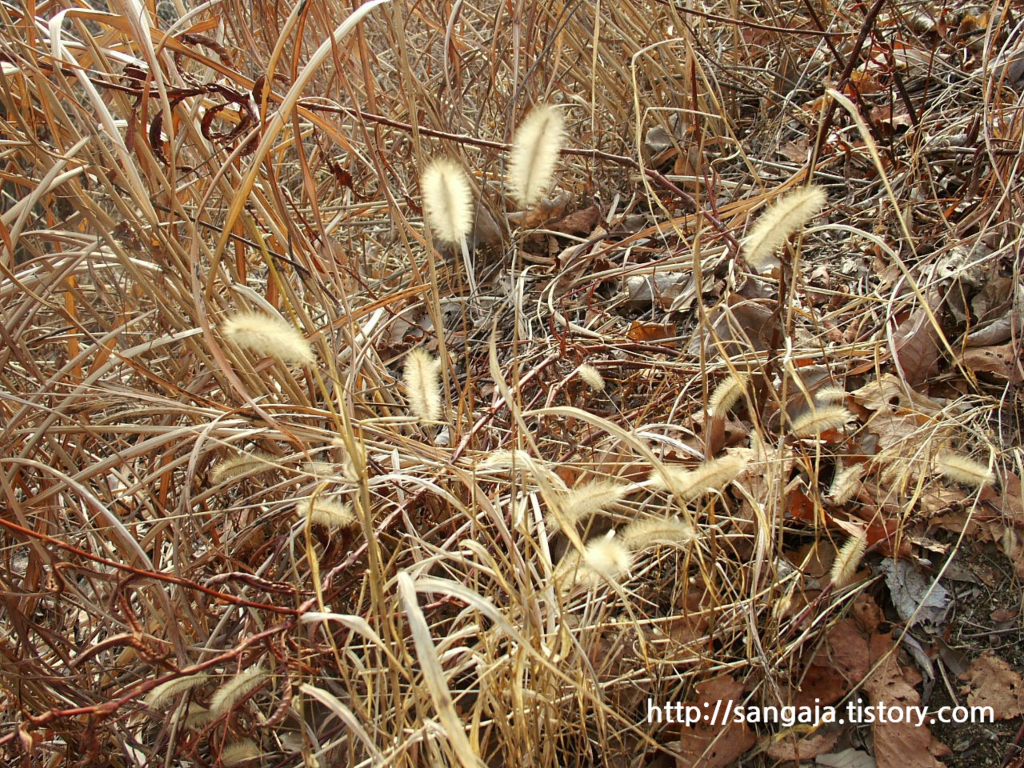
(710, 476)
(326, 513)
(783, 217)
(961, 469)
(165, 692)
(846, 483)
(830, 395)
(236, 689)
(447, 200)
(848, 559)
(253, 461)
(591, 377)
(240, 752)
(813, 422)
(607, 556)
(270, 336)
(652, 531)
(727, 393)
(535, 148)
(423, 384)
(585, 500)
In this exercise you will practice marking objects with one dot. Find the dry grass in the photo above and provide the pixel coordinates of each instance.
(157, 181)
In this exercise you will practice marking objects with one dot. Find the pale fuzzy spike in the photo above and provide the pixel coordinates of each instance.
(652, 531)
(812, 423)
(270, 336)
(320, 470)
(517, 458)
(834, 394)
(586, 500)
(845, 484)
(782, 218)
(166, 692)
(607, 556)
(236, 689)
(447, 200)
(848, 560)
(710, 476)
(327, 513)
(591, 377)
(535, 148)
(239, 753)
(727, 393)
(197, 717)
(423, 384)
(254, 461)
(961, 469)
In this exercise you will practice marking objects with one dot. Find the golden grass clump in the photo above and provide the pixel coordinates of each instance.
(535, 149)
(608, 557)
(270, 336)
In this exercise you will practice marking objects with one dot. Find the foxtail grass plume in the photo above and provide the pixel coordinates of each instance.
(591, 377)
(584, 501)
(727, 393)
(447, 201)
(845, 484)
(270, 336)
(240, 753)
(651, 531)
(535, 148)
(166, 692)
(782, 218)
(833, 394)
(253, 461)
(607, 556)
(236, 689)
(848, 560)
(817, 420)
(710, 476)
(965, 471)
(327, 513)
(423, 384)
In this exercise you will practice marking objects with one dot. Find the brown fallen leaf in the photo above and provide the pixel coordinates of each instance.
(795, 747)
(715, 745)
(1002, 362)
(651, 332)
(992, 682)
(903, 744)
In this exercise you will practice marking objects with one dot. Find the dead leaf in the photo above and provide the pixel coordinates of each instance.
(898, 744)
(652, 332)
(796, 747)
(848, 758)
(992, 682)
(917, 599)
(715, 745)
(1001, 361)
(916, 348)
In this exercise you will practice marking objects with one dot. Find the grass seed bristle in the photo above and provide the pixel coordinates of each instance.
(246, 463)
(845, 484)
(963, 470)
(848, 560)
(708, 477)
(535, 148)
(586, 500)
(423, 384)
(239, 753)
(784, 217)
(815, 421)
(166, 692)
(236, 689)
(269, 336)
(727, 393)
(651, 531)
(447, 201)
(591, 377)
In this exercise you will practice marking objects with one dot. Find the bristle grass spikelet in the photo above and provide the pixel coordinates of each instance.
(591, 377)
(423, 385)
(963, 470)
(784, 217)
(236, 689)
(586, 500)
(845, 484)
(817, 420)
(848, 559)
(239, 753)
(270, 336)
(165, 692)
(833, 394)
(327, 513)
(727, 393)
(253, 461)
(649, 532)
(535, 148)
(710, 476)
(197, 717)
(607, 556)
(447, 200)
